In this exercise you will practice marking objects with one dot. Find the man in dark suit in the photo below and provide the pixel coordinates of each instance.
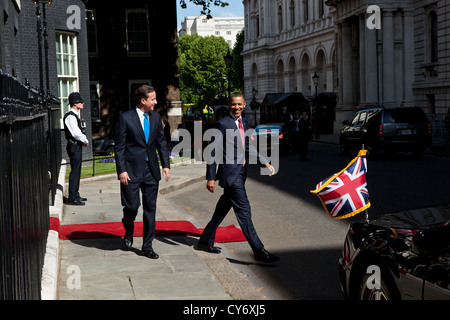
(139, 133)
(232, 175)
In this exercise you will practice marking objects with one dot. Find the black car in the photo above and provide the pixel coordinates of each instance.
(103, 146)
(404, 255)
(387, 130)
(269, 134)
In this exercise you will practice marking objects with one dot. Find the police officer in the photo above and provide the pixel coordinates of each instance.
(75, 140)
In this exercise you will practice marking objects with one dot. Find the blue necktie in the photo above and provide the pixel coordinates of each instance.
(146, 127)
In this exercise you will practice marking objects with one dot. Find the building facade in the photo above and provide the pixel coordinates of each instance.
(286, 42)
(131, 43)
(65, 57)
(402, 62)
(227, 28)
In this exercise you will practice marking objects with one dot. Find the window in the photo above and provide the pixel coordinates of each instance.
(217, 33)
(433, 36)
(280, 18)
(91, 29)
(138, 35)
(321, 9)
(67, 67)
(305, 11)
(94, 99)
(292, 13)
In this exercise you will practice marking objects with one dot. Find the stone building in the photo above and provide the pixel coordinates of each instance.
(403, 62)
(131, 43)
(286, 42)
(66, 56)
(227, 28)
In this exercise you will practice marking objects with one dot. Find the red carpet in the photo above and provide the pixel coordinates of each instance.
(163, 228)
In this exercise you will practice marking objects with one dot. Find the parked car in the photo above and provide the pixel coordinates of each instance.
(404, 255)
(272, 133)
(387, 130)
(103, 146)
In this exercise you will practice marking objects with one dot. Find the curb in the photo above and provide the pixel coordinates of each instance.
(50, 270)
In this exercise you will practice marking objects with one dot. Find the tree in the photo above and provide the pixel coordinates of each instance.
(201, 66)
(206, 4)
(237, 76)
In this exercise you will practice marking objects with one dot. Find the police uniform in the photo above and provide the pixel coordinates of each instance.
(75, 137)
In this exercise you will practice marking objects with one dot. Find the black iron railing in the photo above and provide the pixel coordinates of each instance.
(30, 159)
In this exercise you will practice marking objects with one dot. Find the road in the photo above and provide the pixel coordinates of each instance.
(292, 223)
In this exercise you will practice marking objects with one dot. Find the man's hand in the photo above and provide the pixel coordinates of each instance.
(210, 185)
(271, 169)
(166, 173)
(124, 178)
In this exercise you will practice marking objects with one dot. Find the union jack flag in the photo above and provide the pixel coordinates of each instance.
(345, 193)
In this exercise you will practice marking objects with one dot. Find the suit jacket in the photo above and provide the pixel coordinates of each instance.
(131, 149)
(227, 170)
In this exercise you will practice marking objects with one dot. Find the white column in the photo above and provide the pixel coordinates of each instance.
(388, 58)
(408, 47)
(347, 69)
(362, 59)
(371, 66)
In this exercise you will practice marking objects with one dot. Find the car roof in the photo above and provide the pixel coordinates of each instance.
(388, 108)
(271, 124)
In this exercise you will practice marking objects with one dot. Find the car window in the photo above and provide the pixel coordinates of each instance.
(355, 119)
(404, 115)
(362, 118)
(374, 116)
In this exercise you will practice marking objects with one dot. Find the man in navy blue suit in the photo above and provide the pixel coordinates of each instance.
(232, 175)
(139, 133)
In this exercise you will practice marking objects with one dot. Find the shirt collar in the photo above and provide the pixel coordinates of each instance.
(234, 117)
(139, 112)
(75, 111)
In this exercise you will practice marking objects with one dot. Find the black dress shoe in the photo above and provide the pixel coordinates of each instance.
(204, 247)
(265, 256)
(128, 240)
(82, 199)
(150, 254)
(76, 203)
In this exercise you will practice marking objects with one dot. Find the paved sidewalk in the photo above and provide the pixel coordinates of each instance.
(102, 269)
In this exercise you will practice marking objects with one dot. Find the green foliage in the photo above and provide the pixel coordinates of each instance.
(237, 76)
(201, 65)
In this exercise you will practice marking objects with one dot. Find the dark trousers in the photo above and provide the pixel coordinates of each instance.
(234, 197)
(75, 154)
(131, 202)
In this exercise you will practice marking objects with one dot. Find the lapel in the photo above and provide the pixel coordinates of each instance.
(137, 123)
(232, 125)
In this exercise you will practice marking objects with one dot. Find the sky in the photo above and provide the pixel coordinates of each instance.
(234, 9)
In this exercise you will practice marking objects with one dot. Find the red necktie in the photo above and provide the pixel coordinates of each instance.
(241, 131)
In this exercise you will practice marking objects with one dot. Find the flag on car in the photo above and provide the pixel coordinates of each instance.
(345, 193)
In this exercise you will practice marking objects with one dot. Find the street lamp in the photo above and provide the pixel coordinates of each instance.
(315, 78)
(228, 62)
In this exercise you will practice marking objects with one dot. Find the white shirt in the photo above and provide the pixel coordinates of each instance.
(141, 117)
(236, 120)
(72, 125)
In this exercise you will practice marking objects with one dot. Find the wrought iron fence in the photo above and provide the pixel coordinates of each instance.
(30, 159)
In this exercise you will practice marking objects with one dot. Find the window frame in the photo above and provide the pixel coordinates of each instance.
(138, 53)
